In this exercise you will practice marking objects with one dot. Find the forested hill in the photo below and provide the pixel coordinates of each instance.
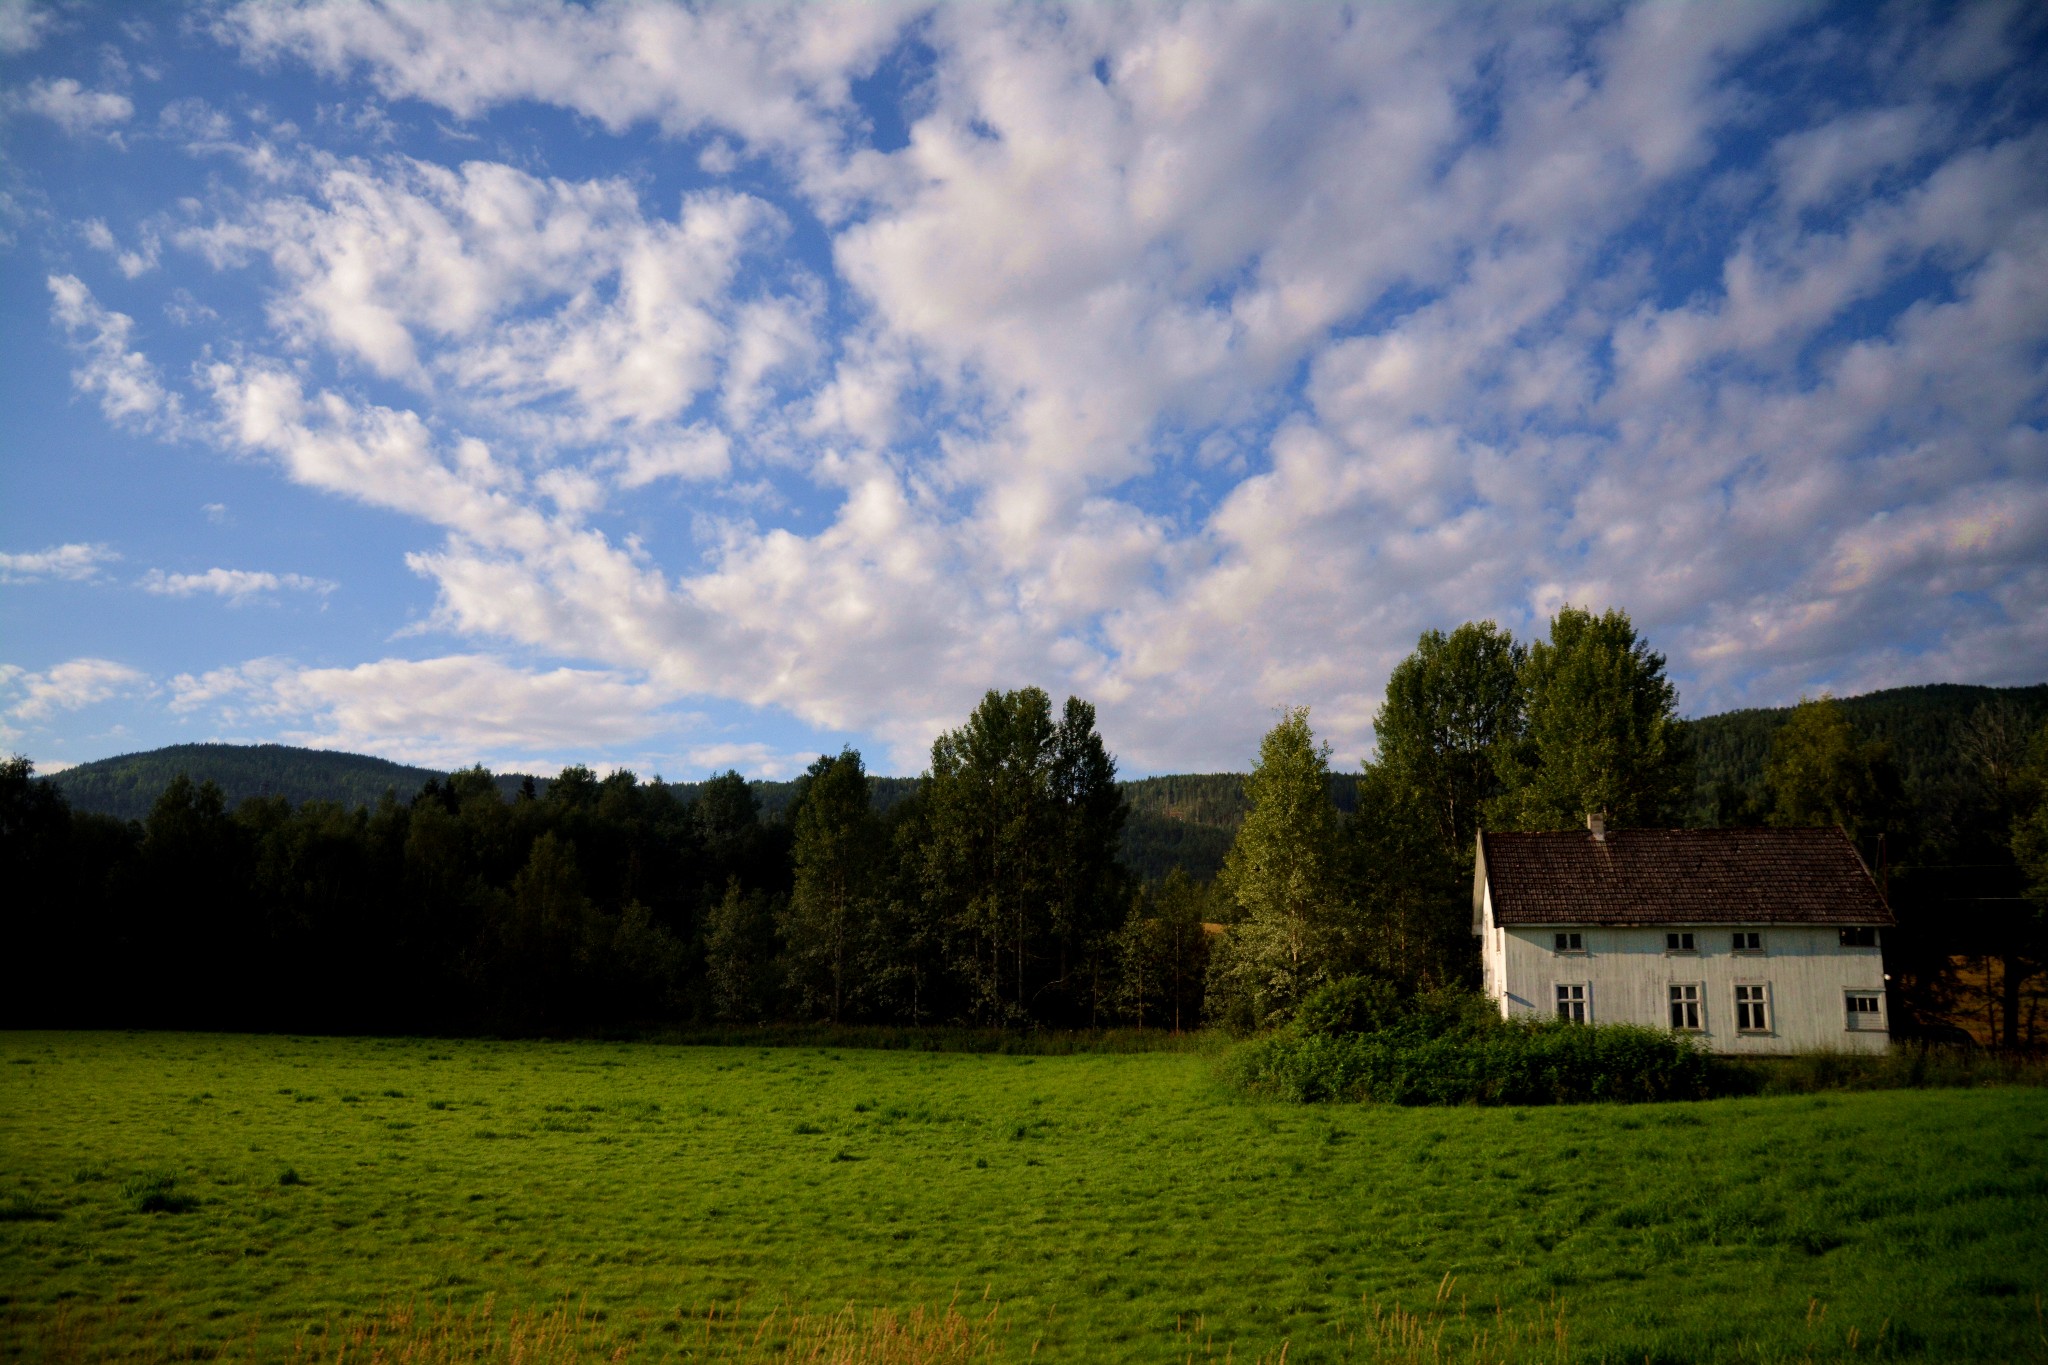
(126, 786)
(1923, 725)
(1186, 819)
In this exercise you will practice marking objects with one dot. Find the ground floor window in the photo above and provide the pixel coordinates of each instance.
(1864, 1010)
(1752, 1009)
(1685, 1008)
(1571, 1003)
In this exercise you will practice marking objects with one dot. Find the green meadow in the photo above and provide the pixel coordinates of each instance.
(179, 1196)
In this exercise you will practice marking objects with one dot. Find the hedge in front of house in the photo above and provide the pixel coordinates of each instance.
(1510, 1062)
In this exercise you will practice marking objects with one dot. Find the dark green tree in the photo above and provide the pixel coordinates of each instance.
(988, 866)
(1283, 873)
(831, 920)
(1090, 889)
(2024, 938)
(739, 955)
(1163, 954)
(1023, 816)
(1410, 891)
(1601, 731)
(1821, 773)
(1451, 709)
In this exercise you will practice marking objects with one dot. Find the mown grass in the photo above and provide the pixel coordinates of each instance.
(186, 1196)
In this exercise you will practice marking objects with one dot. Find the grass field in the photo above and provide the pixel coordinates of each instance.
(170, 1196)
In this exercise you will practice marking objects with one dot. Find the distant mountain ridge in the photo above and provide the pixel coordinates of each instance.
(1186, 819)
(127, 785)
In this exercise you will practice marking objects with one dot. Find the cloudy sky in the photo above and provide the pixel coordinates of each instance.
(683, 387)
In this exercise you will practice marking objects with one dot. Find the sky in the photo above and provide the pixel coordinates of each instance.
(679, 388)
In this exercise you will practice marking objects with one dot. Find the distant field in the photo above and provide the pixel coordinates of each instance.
(1109, 1202)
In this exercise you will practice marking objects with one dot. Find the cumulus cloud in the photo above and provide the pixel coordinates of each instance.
(444, 711)
(70, 686)
(130, 391)
(22, 25)
(76, 562)
(560, 300)
(237, 585)
(1193, 358)
(773, 74)
(76, 109)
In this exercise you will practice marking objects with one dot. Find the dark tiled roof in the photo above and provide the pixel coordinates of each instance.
(1680, 876)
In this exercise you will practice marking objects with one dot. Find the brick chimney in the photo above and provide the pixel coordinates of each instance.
(1596, 821)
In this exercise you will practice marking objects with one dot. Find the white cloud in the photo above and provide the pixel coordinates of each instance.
(445, 711)
(132, 264)
(70, 686)
(75, 562)
(1193, 358)
(237, 585)
(556, 299)
(22, 25)
(77, 110)
(772, 74)
(694, 453)
(130, 392)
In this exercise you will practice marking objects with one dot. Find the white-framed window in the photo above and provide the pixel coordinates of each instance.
(1686, 1015)
(1865, 1009)
(1570, 943)
(1753, 1007)
(1681, 942)
(1860, 936)
(1747, 941)
(1571, 1003)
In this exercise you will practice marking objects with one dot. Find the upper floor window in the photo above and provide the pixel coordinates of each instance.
(1571, 943)
(1685, 1008)
(1860, 936)
(1752, 1009)
(1748, 941)
(1571, 1003)
(1679, 943)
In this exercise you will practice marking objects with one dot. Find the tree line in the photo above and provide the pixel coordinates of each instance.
(991, 895)
(992, 891)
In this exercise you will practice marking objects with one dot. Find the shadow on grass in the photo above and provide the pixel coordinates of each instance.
(1908, 1066)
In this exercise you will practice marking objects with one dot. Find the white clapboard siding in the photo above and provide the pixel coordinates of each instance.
(1628, 973)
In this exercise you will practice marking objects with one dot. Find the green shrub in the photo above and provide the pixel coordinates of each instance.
(1351, 1040)
(1906, 1066)
(1546, 1062)
(1352, 1004)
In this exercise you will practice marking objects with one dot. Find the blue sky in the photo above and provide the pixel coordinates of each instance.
(682, 387)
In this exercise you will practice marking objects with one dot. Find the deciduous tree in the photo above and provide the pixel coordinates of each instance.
(1821, 773)
(1452, 707)
(1282, 873)
(830, 919)
(1601, 731)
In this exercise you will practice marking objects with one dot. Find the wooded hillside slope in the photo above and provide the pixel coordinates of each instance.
(1185, 820)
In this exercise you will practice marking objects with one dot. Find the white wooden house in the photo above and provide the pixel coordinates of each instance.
(1755, 940)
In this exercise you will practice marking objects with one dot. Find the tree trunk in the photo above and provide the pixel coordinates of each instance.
(2012, 977)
